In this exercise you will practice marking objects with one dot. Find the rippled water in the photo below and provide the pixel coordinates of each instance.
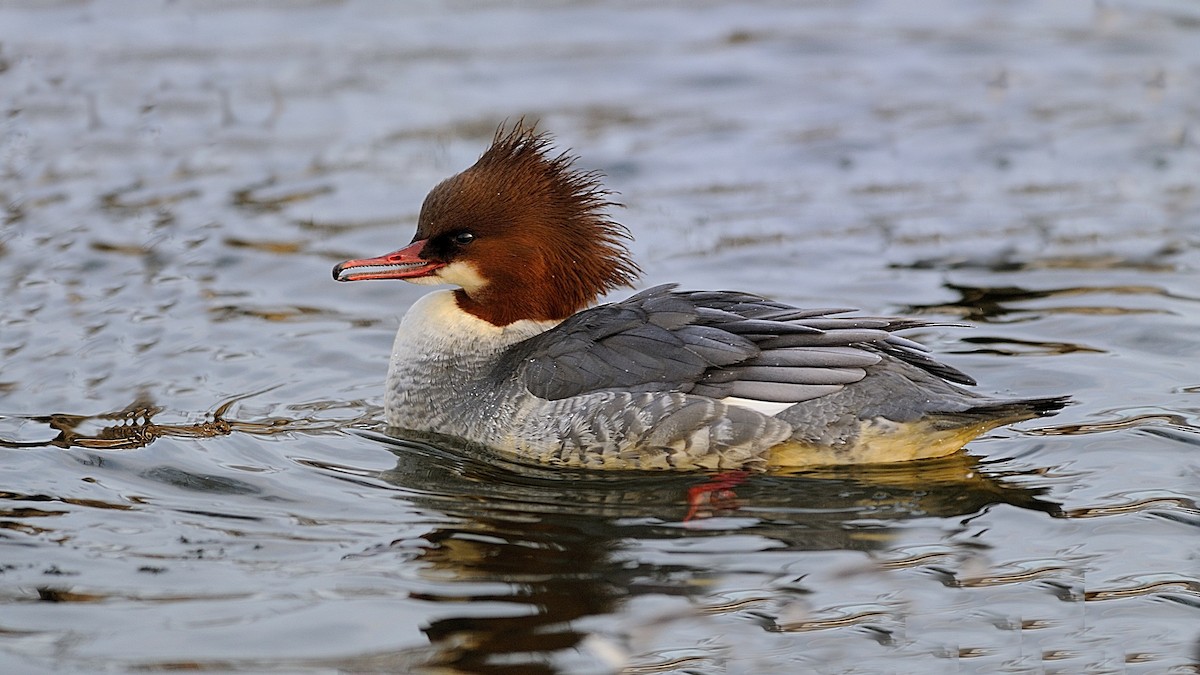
(193, 471)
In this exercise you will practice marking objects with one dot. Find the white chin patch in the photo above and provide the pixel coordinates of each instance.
(431, 280)
(461, 274)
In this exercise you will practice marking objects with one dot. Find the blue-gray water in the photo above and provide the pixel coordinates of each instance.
(181, 381)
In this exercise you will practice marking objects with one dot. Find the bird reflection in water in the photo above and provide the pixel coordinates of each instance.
(559, 546)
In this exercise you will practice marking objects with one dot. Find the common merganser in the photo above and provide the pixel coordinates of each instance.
(515, 360)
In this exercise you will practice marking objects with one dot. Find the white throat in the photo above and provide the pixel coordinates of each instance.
(436, 325)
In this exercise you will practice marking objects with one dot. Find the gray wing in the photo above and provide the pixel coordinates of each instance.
(714, 344)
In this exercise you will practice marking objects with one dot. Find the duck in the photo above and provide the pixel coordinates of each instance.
(519, 359)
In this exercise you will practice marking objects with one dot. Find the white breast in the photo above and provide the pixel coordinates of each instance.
(440, 375)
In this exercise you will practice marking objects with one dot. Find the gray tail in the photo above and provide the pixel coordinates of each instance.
(1015, 410)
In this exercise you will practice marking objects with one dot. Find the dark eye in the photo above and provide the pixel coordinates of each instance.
(464, 238)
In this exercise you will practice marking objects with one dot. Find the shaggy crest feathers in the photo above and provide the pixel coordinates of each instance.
(560, 248)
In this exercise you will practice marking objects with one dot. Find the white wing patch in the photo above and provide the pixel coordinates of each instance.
(768, 408)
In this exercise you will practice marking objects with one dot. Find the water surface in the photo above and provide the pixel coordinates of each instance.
(193, 475)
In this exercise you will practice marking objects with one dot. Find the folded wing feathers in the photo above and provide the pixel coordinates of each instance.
(816, 357)
(793, 314)
(643, 351)
(716, 344)
(842, 323)
(555, 379)
(712, 315)
(718, 391)
(778, 392)
(760, 327)
(799, 375)
(925, 362)
(825, 339)
(904, 342)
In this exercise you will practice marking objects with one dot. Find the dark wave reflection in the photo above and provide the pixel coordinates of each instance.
(1008, 303)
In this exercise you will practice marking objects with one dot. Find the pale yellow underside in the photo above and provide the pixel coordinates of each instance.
(898, 443)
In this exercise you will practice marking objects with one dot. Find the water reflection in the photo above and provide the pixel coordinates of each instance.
(1009, 346)
(134, 425)
(1010, 260)
(550, 548)
(555, 574)
(995, 303)
(125, 429)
